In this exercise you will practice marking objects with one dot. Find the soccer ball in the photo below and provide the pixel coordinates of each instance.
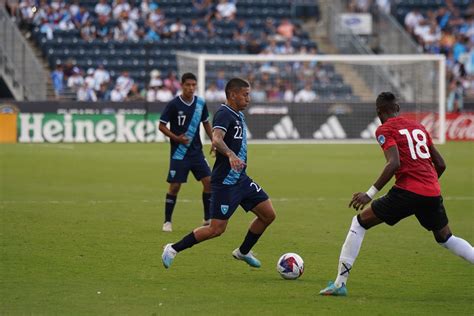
(290, 266)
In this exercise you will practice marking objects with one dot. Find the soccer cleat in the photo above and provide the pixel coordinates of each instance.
(167, 227)
(332, 290)
(168, 255)
(206, 222)
(248, 258)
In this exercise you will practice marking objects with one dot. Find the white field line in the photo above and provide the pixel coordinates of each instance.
(283, 199)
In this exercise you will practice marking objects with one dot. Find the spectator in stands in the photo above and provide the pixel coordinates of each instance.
(432, 38)
(447, 41)
(88, 31)
(269, 27)
(172, 83)
(134, 94)
(155, 78)
(76, 80)
(74, 7)
(116, 94)
(178, 29)
(84, 93)
(103, 94)
(195, 30)
(103, 30)
(288, 95)
(253, 46)
(147, 7)
(81, 17)
(274, 94)
(257, 94)
(241, 32)
(127, 30)
(102, 8)
(225, 10)
(58, 80)
(455, 102)
(101, 76)
(119, 7)
(306, 94)
(412, 19)
(210, 29)
(151, 92)
(124, 83)
(460, 47)
(89, 79)
(152, 34)
(202, 7)
(286, 29)
(156, 17)
(163, 94)
(213, 94)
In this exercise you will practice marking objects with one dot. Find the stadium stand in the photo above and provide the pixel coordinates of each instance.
(142, 36)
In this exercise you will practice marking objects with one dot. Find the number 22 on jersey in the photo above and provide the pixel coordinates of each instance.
(419, 137)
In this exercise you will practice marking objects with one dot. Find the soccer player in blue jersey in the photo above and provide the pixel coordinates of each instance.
(185, 113)
(231, 186)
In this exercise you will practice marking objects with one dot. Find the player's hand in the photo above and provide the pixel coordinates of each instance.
(182, 139)
(236, 163)
(359, 200)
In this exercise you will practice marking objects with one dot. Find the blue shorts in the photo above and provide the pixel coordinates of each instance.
(179, 169)
(226, 198)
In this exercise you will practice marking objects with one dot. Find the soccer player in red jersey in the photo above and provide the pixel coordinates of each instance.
(417, 165)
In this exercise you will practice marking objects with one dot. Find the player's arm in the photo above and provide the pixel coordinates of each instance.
(218, 143)
(438, 161)
(392, 156)
(181, 139)
(208, 129)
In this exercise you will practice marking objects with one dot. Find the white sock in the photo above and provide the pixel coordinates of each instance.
(349, 251)
(460, 247)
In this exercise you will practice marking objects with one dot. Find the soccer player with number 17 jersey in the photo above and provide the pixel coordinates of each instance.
(230, 184)
(417, 165)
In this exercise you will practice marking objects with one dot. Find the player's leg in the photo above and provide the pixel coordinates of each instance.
(255, 200)
(202, 233)
(390, 209)
(350, 250)
(206, 199)
(224, 202)
(177, 175)
(456, 245)
(432, 216)
(170, 203)
(202, 172)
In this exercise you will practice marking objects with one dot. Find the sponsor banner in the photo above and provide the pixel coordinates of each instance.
(138, 122)
(356, 23)
(88, 128)
(459, 126)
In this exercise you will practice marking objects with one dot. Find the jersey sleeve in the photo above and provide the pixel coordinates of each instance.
(221, 121)
(205, 114)
(384, 137)
(165, 116)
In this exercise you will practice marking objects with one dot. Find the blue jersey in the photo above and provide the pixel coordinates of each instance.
(233, 124)
(185, 118)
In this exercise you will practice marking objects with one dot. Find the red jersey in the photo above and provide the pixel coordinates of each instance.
(416, 173)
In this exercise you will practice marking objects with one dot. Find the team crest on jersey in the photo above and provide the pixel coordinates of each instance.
(172, 173)
(381, 139)
(224, 208)
(180, 112)
(237, 122)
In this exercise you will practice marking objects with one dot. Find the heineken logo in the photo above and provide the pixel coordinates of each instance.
(55, 128)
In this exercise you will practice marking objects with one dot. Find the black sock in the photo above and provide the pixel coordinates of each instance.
(206, 201)
(170, 202)
(187, 242)
(249, 241)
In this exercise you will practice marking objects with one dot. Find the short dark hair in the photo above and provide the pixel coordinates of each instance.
(188, 76)
(234, 84)
(387, 102)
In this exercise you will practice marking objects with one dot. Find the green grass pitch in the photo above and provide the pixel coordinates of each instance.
(81, 235)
